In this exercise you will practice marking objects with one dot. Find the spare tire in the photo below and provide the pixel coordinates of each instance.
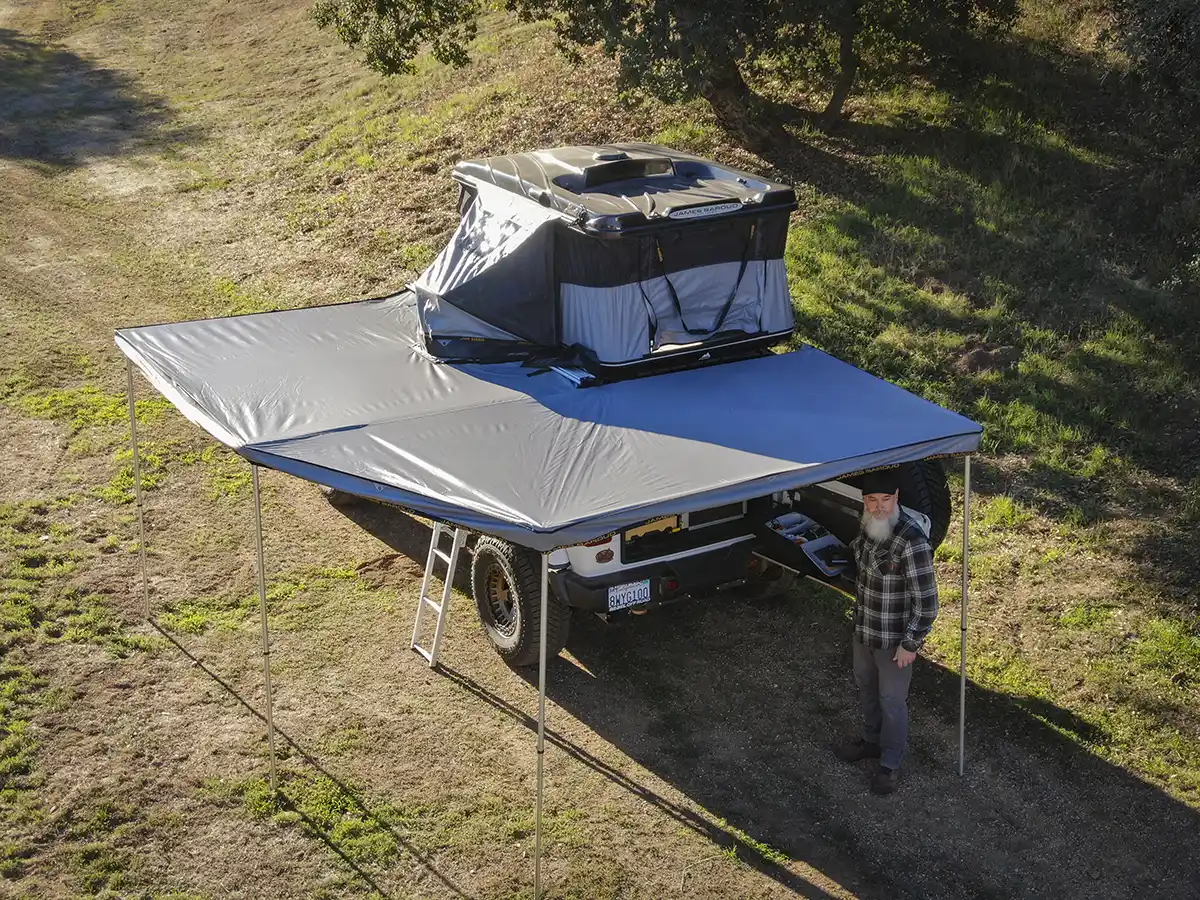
(506, 581)
(923, 488)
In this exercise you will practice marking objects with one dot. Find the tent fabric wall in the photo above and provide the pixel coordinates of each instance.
(517, 272)
(709, 289)
(498, 268)
(342, 395)
(777, 312)
(612, 322)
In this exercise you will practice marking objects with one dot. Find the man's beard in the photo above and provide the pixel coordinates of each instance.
(880, 529)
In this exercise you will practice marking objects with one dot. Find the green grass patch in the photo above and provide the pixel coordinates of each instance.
(344, 741)
(207, 182)
(747, 843)
(1169, 646)
(207, 613)
(1003, 669)
(88, 407)
(318, 213)
(320, 806)
(227, 475)
(1086, 616)
(229, 298)
(417, 256)
(1002, 514)
(39, 608)
(691, 135)
(120, 489)
(1126, 707)
(374, 834)
(21, 694)
(291, 594)
(101, 868)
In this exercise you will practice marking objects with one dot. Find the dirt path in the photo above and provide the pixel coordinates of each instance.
(689, 752)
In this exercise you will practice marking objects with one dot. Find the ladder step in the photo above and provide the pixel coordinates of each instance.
(425, 653)
(437, 607)
(442, 556)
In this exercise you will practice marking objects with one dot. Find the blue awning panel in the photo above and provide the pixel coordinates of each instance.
(343, 396)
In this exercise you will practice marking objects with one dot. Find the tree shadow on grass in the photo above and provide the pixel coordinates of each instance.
(401, 841)
(58, 108)
(1057, 218)
(735, 704)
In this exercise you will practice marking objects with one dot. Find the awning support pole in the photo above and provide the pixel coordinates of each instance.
(962, 663)
(541, 740)
(137, 487)
(262, 610)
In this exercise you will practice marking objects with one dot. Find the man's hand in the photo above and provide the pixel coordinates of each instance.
(904, 657)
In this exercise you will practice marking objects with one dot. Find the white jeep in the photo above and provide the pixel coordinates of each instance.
(724, 550)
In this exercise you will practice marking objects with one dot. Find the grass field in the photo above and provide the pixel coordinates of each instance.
(1016, 248)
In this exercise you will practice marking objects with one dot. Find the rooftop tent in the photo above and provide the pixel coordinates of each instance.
(624, 257)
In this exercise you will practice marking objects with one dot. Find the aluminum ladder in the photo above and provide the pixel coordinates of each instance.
(451, 560)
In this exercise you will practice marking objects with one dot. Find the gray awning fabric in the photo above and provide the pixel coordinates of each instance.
(344, 396)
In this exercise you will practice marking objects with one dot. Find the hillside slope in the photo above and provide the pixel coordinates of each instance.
(1010, 248)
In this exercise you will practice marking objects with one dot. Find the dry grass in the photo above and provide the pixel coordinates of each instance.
(180, 160)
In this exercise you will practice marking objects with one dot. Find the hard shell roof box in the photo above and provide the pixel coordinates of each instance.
(621, 188)
(623, 259)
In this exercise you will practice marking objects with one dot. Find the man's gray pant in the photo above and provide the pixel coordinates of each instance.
(883, 697)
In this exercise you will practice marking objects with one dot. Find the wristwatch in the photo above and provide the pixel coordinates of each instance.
(910, 645)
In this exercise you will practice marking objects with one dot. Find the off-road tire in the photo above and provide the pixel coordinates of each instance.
(338, 498)
(506, 581)
(923, 488)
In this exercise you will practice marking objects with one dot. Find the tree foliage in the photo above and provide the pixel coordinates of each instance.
(392, 32)
(686, 48)
(1162, 37)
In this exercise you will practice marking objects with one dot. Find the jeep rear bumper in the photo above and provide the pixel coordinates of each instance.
(669, 580)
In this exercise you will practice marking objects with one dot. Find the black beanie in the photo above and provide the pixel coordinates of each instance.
(884, 481)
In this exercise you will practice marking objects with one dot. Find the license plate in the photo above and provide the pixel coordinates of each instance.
(631, 594)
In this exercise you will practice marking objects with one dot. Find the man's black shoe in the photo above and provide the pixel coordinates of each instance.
(885, 780)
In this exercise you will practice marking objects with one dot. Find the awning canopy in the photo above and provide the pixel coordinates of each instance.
(344, 396)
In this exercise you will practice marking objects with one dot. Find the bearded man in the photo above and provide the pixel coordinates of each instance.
(895, 609)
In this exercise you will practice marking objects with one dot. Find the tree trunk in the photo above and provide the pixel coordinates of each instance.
(848, 61)
(738, 109)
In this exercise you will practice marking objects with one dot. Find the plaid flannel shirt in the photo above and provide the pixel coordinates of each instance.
(897, 591)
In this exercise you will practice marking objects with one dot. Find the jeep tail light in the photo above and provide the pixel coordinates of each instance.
(671, 584)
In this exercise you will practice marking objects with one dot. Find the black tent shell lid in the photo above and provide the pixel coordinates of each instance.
(616, 189)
